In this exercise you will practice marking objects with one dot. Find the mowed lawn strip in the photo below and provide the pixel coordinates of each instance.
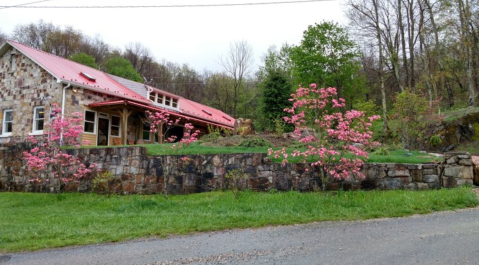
(32, 221)
(396, 156)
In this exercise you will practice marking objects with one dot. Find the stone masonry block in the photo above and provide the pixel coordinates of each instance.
(430, 178)
(453, 171)
(399, 173)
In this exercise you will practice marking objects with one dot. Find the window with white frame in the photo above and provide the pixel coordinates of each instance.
(115, 127)
(152, 96)
(90, 121)
(163, 100)
(7, 122)
(146, 132)
(38, 119)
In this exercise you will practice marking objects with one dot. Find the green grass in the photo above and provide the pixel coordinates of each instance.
(196, 148)
(396, 156)
(30, 221)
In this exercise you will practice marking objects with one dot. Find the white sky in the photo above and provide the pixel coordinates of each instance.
(197, 36)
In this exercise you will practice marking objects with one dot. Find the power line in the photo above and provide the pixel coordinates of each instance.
(165, 6)
(23, 5)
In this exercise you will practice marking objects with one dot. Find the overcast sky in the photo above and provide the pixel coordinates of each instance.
(197, 36)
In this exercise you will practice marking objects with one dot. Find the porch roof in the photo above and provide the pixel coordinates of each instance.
(153, 108)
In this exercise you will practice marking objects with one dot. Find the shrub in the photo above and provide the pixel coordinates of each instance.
(435, 140)
(410, 124)
(102, 182)
(235, 179)
(368, 107)
(383, 151)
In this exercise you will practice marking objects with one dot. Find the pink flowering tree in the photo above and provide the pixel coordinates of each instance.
(336, 141)
(161, 123)
(47, 162)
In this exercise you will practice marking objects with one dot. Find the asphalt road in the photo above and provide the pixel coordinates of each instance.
(440, 238)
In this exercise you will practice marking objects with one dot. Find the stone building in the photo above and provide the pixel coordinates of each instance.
(114, 108)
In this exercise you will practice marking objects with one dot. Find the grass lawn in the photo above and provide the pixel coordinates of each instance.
(396, 156)
(32, 221)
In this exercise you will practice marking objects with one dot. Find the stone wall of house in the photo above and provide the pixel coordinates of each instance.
(135, 172)
(23, 86)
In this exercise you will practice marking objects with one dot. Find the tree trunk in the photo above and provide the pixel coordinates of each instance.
(380, 70)
(403, 42)
(439, 53)
(411, 33)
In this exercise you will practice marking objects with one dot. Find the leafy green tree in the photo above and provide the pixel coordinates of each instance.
(85, 59)
(409, 118)
(123, 68)
(328, 57)
(275, 93)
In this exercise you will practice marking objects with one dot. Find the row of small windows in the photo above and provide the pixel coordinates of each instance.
(164, 100)
(38, 121)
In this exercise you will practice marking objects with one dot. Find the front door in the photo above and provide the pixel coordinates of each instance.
(103, 125)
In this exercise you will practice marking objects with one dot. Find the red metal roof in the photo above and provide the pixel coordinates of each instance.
(153, 108)
(204, 112)
(70, 72)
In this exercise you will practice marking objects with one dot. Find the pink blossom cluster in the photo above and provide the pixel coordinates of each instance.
(337, 136)
(162, 118)
(47, 160)
(158, 118)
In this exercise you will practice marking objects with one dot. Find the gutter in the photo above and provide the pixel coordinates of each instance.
(63, 108)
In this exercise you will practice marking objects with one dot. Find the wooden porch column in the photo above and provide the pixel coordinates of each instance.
(124, 122)
(160, 133)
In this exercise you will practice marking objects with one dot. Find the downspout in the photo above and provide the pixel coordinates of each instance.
(63, 109)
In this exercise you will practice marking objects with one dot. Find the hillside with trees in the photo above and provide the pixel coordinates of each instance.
(390, 53)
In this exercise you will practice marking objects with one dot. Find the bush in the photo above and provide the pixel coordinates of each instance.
(368, 107)
(255, 142)
(435, 140)
(210, 137)
(409, 119)
(383, 151)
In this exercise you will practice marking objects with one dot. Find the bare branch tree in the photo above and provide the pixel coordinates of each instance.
(237, 63)
(3, 37)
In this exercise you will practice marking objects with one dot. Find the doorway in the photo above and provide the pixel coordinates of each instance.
(103, 125)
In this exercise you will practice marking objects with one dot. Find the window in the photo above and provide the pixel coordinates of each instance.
(7, 122)
(159, 99)
(167, 101)
(13, 62)
(175, 103)
(115, 126)
(90, 120)
(146, 132)
(152, 96)
(38, 119)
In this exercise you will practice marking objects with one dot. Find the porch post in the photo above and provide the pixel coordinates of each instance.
(160, 133)
(124, 121)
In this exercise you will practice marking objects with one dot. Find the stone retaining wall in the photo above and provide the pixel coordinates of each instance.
(135, 172)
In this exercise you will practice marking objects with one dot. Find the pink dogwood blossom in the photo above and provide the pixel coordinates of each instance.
(47, 161)
(333, 136)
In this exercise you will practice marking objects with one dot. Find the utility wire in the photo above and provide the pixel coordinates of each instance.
(23, 5)
(166, 6)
